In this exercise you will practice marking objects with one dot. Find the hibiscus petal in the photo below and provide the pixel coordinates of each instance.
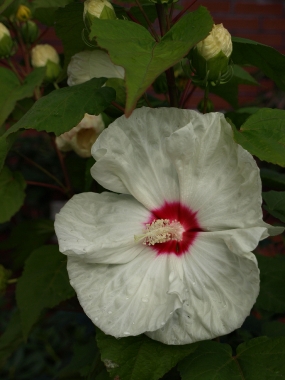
(217, 177)
(100, 228)
(127, 299)
(92, 64)
(222, 287)
(132, 158)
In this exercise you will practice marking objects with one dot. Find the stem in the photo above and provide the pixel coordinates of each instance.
(182, 12)
(206, 93)
(189, 96)
(40, 37)
(153, 32)
(14, 70)
(116, 105)
(64, 170)
(132, 17)
(42, 169)
(56, 86)
(40, 184)
(147, 101)
(172, 91)
(185, 93)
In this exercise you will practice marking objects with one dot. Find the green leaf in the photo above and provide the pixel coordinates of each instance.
(229, 90)
(241, 115)
(273, 329)
(69, 27)
(50, 3)
(263, 135)
(12, 90)
(272, 179)
(12, 194)
(5, 4)
(139, 357)
(26, 237)
(275, 201)
(43, 284)
(63, 109)
(269, 60)
(11, 338)
(82, 360)
(132, 46)
(261, 358)
(272, 284)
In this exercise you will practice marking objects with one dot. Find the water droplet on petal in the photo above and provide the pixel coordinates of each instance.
(171, 312)
(144, 299)
(127, 333)
(162, 323)
(127, 298)
(96, 319)
(109, 312)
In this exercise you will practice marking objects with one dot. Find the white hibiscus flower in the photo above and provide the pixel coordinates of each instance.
(170, 256)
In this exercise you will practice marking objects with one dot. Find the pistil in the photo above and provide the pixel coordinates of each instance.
(161, 231)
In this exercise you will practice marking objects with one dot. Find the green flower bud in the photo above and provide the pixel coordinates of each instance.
(205, 109)
(210, 57)
(29, 32)
(6, 42)
(46, 55)
(102, 9)
(23, 13)
(5, 274)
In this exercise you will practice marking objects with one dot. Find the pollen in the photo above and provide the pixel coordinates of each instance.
(160, 231)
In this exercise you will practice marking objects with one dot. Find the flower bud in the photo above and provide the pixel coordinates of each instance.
(46, 55)
(29, 32)
(6, 42)
(5, 274)
(82, 137)
(102, 9)
(23, 13)
(210, 57)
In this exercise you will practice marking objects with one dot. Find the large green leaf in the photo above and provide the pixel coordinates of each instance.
(43, 284)
(269, 60)
(63, 109)
(258, 359)
(132, 46)
(263, 135)
(229, 90)
(272, 284)
(139, 357)
(272, 179)
(11, 338)
(45, 10)
(12, 193)
(5, 4)
(275, 201)
(69, 27)
(12, 90)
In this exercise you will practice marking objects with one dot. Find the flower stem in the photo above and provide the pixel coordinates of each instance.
(163, 24)
(182, 12)
(153, 32)
(189, 96)
(40, 184)
(42, 169)
(185, 93)
(64, 170)
(12, 281)
(14, 70)
(206, 93)
(116, 105)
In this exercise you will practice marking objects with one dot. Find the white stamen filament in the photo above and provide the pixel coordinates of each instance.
(160, 231)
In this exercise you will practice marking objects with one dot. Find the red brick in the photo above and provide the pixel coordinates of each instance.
(274, 24)
(274, 40)
(259, 9)
(213, 6)
(234, 23)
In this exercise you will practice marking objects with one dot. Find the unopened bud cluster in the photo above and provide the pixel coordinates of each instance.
(46, 56)
(210, 57)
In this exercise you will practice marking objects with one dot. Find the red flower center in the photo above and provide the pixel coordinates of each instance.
(175, 211)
